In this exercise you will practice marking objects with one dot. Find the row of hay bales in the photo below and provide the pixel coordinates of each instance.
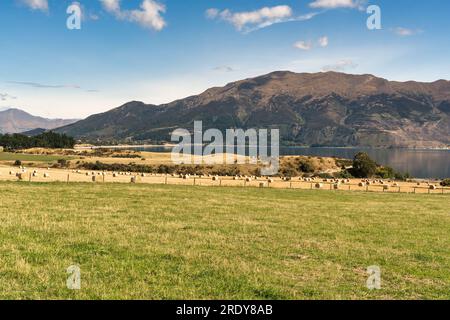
(316, 182)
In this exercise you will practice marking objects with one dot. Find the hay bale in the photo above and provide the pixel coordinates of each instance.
(114, 175)
(270, 180)
(361, 184)
(433, 187)
(215, 178)
(336, 186)
(248, 179)
(143, 175)
(12, 173)
(133, 179)
(319, 185)
(46, 175)
(386, 187)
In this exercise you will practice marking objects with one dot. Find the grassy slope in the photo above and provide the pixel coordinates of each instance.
(143, 241)
(8, 156)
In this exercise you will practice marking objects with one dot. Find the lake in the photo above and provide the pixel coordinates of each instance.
(418, 163)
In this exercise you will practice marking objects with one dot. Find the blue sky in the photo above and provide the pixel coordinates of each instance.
(157, 51)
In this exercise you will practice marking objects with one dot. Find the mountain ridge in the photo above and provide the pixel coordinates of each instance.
(327, 108)
(13, 120)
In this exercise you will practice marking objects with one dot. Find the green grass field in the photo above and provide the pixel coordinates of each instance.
(176, 242)
(9, 156)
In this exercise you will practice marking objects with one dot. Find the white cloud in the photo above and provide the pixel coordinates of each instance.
(212, 13)
(333, 4)
(41, 5)
(323, 41)
(6, 96)
(302, 45)
(224, 69)
(112, 6)
(248, 21)
(341, 65)
(307, 45)
(148, 16)
(405, 32)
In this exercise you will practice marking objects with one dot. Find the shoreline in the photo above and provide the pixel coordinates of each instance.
(281, 146)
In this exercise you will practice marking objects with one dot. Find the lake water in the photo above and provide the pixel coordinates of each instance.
(418, 163)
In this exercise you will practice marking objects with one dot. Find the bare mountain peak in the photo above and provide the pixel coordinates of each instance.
(327, 108)
(15, 120)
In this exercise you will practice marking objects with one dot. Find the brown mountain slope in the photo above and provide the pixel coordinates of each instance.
(17, 121)
(330, 108)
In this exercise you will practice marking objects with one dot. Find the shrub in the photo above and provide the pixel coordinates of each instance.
(445, 183)
(325, 176)
(289, 172)
(17, 163)
(402, 176)
(306, 166)
(62, 162)
(385, 173)
(345, 174)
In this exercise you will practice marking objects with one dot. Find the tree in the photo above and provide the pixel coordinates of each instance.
(363, 166)
(44, 140)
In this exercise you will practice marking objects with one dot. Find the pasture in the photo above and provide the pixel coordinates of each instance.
(145, 241)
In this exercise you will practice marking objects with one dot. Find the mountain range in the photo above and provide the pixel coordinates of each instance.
(319, 109)
(18, 121)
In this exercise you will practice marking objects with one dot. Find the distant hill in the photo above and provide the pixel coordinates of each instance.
(18, 121)
(322, 109)
(34, 132)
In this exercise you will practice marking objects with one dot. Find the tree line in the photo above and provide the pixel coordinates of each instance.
(49, 139)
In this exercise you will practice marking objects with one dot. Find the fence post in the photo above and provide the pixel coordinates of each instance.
(68, 178)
